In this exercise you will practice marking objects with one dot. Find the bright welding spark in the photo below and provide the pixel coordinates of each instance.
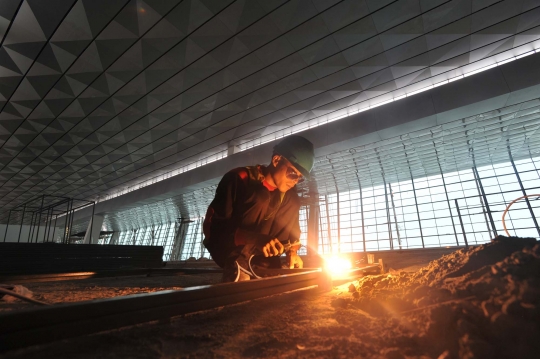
(337, 266)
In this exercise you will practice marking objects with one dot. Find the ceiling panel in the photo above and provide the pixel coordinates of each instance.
(100, 95)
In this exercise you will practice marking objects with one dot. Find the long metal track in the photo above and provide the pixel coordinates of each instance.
(24, 328)
(150, 272)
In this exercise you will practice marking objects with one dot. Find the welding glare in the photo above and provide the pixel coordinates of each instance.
(337, 266)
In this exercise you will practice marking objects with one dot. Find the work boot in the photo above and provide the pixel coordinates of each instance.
(236, 270)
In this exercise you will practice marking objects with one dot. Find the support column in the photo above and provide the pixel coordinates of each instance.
(313, 227)
(328, 224)
(523, 192)
(7, 225)
(180, 240)
(67, 229)
(395, 216)
(479, 183)
(416, 204)
(22, 223)
(461, 223)
(201, 245)
(388, 220)
(94, 227)
(115, 237)
(361, 207)
(134, 236)
(39, 219)
(448, 202)
(338, 221)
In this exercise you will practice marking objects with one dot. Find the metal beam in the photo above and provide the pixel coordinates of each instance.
(31, 228)
(54, 228)
(92, 219)
(533, 216)
(39, 220)
(388, 220)
(24, 328)
(328, 224)
(486, 203)
(447, 201)
(7, 225)
(338, 217)
(361, 205)
(395, 216)
(64, 240)
(416, 204)
(461, 223)
(421, 111)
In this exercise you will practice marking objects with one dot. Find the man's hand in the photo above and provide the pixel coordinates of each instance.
(267, 245)
(294, 260)
(273, 248)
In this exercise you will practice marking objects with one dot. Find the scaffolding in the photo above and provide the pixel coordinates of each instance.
(44, 219)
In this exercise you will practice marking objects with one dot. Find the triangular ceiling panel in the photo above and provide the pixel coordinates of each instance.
(25, 28)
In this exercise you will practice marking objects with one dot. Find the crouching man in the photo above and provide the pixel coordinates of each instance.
(253, 218)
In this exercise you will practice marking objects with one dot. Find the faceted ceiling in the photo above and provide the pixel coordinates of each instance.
(97, 95)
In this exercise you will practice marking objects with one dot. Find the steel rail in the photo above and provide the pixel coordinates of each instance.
(19, 329)
(149, 272)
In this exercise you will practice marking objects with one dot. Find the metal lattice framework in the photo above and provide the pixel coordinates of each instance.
(477, 140)
(43, 219)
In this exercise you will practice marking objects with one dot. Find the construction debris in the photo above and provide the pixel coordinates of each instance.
(14, 292)
(480, 302)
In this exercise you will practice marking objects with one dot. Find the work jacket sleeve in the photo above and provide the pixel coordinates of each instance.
(294, 236)
(294, 224)
(220, 223)
(286, 223)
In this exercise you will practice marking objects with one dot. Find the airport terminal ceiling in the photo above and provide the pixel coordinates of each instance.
(97, 96)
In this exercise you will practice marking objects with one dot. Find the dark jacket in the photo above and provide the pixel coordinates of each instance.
(244, 201)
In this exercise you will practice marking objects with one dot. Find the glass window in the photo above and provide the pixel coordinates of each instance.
(533, 184)
(485, 172)
(468, 185)
(488, 182)
(392, 214)
(504, 169)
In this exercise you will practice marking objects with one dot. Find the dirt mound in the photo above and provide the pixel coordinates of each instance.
(465, 261)
(481, 302)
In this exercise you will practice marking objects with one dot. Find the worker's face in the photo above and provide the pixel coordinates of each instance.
(285, 175)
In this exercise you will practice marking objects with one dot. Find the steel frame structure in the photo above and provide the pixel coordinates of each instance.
(52, 208)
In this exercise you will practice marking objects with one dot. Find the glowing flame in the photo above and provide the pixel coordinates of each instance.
(337, 265)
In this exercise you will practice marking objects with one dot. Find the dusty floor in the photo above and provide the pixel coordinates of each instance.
(88, 289)
(476, 303)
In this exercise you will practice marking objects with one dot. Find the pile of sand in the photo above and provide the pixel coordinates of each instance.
(481, 302)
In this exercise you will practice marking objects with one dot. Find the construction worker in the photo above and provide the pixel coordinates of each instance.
(253, 218)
